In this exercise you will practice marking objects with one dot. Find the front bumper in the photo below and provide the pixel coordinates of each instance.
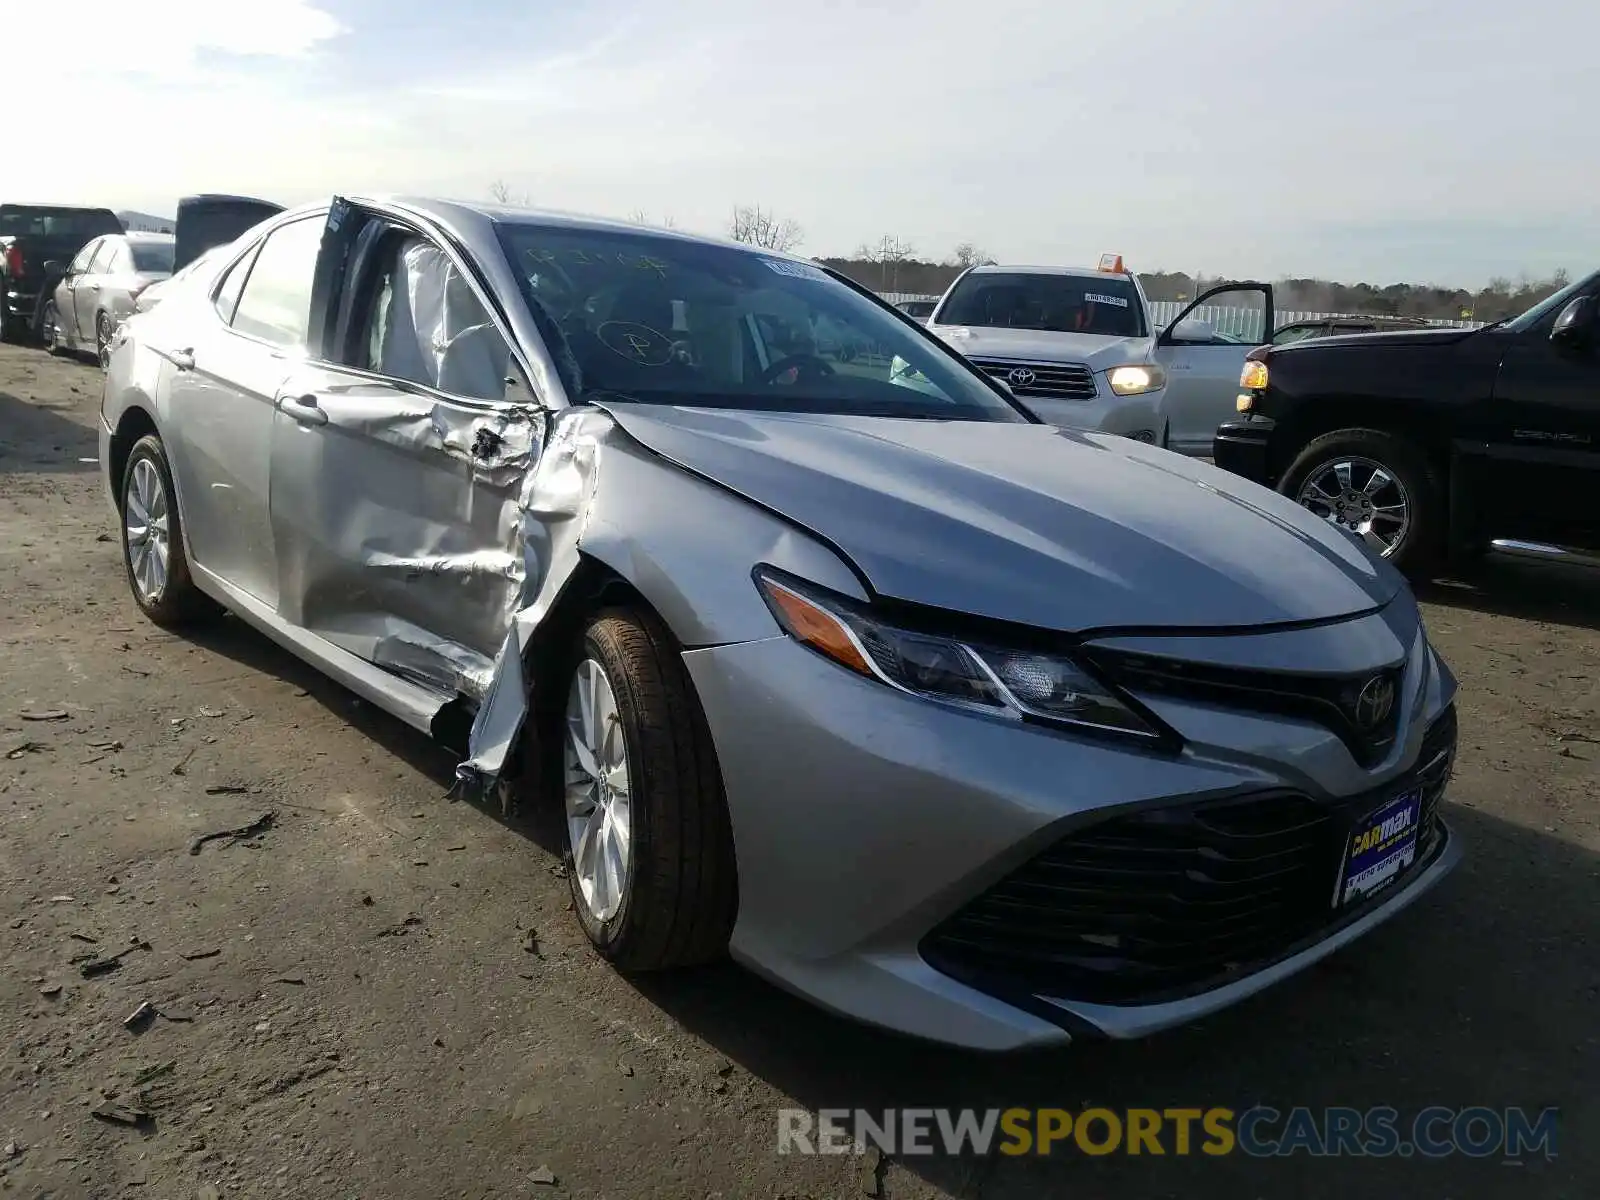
(864, 818)
(1243, 447)
(1137, 417)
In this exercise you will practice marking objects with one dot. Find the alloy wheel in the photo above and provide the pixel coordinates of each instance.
(597, 796)
(1363, 496)
(102, 339)
(48, 324)
(145, 523)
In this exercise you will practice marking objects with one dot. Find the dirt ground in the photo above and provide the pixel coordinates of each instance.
(382, 995)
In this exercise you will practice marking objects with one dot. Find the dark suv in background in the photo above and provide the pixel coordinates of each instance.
(32, 235)
(1435, 442)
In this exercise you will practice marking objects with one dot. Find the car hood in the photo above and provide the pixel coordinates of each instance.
(1399, 337)
(1027, 523)
(1099, 352)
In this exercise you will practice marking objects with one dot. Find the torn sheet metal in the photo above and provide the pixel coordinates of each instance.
(597, 493)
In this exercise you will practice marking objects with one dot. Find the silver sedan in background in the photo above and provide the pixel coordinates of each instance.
(950, 720)
(100, 288)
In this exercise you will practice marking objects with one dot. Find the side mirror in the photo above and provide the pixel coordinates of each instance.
(1003, 386)
(54, 266)
(1574, 328)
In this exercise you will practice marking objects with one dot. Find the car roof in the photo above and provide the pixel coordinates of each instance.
(1076, 272)
(452, 212)
(146, 235)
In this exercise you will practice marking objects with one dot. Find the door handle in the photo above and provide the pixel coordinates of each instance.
(183, 359)
(303, 409)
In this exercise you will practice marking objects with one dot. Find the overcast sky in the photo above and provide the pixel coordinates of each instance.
(1382, 140)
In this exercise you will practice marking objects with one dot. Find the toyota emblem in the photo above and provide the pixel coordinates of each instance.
(1021, 377)
(1375, 702)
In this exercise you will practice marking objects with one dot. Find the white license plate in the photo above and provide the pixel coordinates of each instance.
(1380, 847)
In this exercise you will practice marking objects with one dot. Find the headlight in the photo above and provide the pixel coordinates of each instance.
(1001, 682)
(1253, 376)
(1136, 379)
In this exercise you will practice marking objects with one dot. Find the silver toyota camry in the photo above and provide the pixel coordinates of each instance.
(957, 723)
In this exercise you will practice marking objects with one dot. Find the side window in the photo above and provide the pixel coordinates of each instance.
(121, 261)
(425, 325)
(227, 298)
(101, 261)
(275, 305)
(80, 264)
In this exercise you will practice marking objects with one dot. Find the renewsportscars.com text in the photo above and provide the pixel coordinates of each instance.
(1259, 1132)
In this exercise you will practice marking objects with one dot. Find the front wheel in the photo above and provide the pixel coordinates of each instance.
(649, 848)
(1378, 486)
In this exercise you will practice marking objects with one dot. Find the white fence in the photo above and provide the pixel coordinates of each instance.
(1235, 322)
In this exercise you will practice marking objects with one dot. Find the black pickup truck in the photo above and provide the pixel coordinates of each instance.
(30, 236)
(1436, 443)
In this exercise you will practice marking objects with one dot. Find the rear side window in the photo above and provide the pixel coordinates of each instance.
(227, 298)
(275, 304)
(103, 256)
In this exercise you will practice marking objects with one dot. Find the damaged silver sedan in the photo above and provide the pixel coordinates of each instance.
(831, 656)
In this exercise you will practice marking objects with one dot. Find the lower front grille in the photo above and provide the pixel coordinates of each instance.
(1056, 381)
(1168, 902)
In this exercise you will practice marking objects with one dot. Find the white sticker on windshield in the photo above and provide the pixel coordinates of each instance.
(796, 269)
(1114, 301)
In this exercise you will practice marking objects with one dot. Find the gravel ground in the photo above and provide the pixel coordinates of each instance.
(383, 993)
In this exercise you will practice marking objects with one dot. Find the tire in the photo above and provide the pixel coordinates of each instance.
(50, 327)
(176, 601)
(678, 893)
(1419, 546)
(11, 325)
(102, 339)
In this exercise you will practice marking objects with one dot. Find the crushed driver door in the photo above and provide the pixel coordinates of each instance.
(398, 455)
(1203, 351)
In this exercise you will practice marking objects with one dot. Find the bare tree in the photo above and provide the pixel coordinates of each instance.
(639, 217)
(762, 227)
(500, 192)
(889, 252)
(968, 255)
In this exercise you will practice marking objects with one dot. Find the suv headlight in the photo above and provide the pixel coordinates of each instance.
(1003, 682)
(1136, 378)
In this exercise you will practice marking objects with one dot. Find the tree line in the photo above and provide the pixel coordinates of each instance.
(892, 264)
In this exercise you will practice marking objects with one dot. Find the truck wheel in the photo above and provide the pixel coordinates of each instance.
(1380, 487)
(649, 847)
(11, 325)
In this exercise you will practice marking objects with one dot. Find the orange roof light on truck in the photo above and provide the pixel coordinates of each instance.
(1111, 264)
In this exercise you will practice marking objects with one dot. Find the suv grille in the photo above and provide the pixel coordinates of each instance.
(1059, 381)
(1168, 902)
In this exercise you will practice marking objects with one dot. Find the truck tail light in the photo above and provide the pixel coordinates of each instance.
(14, 261)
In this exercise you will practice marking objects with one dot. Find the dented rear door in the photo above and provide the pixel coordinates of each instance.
(397, 461)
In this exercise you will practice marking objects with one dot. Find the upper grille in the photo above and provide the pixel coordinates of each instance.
(1167, 902)
(1331, 701)
(1058, 381)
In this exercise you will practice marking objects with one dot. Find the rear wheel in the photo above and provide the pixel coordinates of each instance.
(11, 325)
(152, 540)
(102, 339)
(649, 848)
(1380, 487)
(49, 327)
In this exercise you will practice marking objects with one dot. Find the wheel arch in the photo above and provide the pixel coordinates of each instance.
(134, 423)
(1382, 416)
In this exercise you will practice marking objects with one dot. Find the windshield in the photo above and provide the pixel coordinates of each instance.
(1107, 305)
(27, 221)
(1550, 304)
(666, 320)
(152, 258)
